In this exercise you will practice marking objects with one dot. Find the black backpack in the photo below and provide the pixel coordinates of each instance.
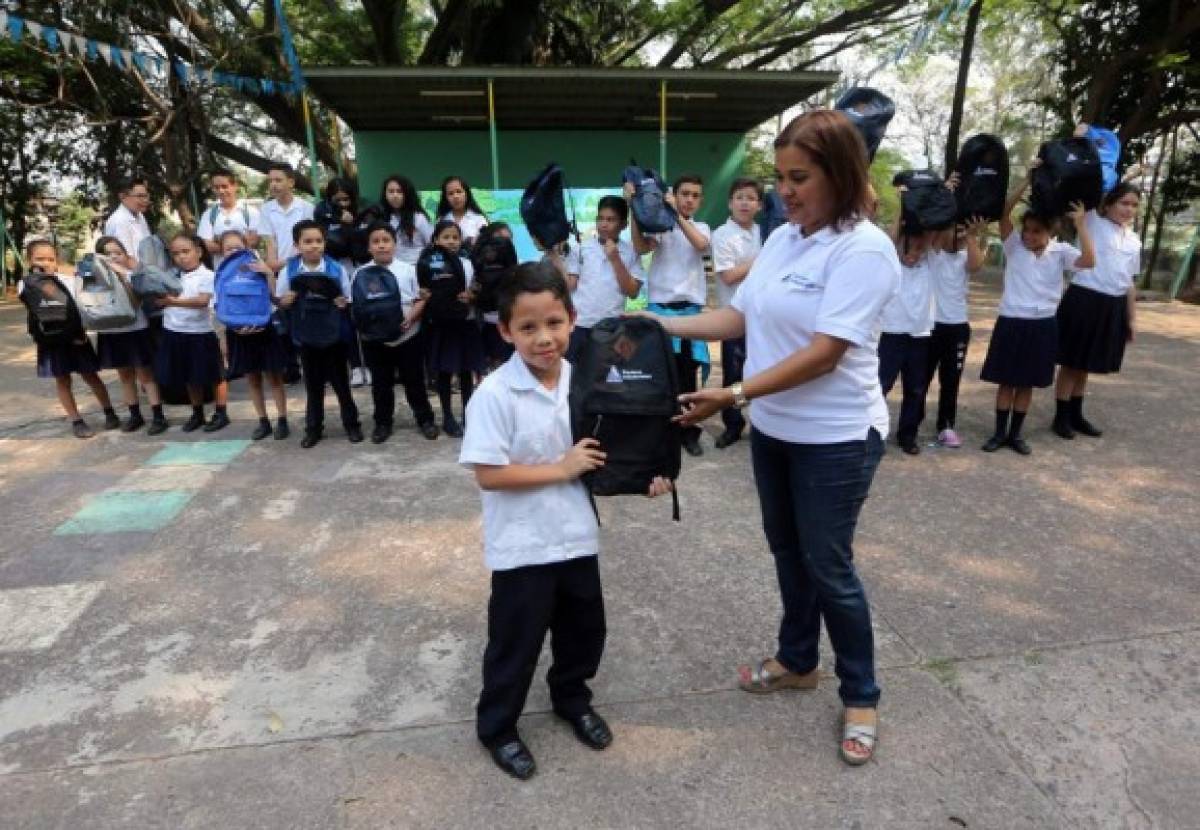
(338, 237)
(927, 204)
(982, 167)
(377, 306)
(543, 210)
(1070, 172)
(494, 258)
(870, 111)
(52, 316)
(624, 393)
(314, 319)
(443, 274)
(649, 206)
(772, 215)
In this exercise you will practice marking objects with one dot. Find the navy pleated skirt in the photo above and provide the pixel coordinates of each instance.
(263, 351)
(456, 346)
(186, 358)
(1021, 352)
(1093, 328)
(126, 349)
(60, 361)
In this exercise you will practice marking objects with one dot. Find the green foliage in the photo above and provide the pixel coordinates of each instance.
(75, 216)
(887, 164)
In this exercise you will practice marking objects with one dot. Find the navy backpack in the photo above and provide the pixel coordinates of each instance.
(543, 210)
(870, 111)
(443, 274)
(927, 204)
(982, 167)
(649, 206)
(1070, 172)
(313, 319)
(772, 215)
(377, 306)
(493, 258)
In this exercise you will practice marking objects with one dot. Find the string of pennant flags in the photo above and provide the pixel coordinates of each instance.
(131, 60)
(927, 28)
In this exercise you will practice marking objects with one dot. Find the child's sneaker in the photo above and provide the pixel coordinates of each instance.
(949, 438)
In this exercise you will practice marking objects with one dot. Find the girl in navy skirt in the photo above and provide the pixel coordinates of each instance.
(257, 351)
(1024, 341)
(190, 355)
(78, 357)
(1095, 318)
(456, 346)
(130, 350)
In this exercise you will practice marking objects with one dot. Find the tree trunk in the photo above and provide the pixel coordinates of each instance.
(960, 86)
(1162, 209)
(1162, 153)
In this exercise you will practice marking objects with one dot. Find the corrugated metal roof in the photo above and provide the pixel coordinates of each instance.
(527, 98)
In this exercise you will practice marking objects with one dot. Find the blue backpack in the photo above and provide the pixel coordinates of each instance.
(1108, 147)
(243, 296)
(870, 111)
(543, 210)
(377, 307)
(650, 209)
(313, 319)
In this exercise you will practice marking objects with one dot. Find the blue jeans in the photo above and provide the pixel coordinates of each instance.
(811, 495)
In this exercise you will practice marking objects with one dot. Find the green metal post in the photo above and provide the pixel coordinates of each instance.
(312, 146)
(492, 136)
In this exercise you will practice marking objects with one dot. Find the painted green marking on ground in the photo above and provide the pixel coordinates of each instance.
(199, 452)
(121, 512)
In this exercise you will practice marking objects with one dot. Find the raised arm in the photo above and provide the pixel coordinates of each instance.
(1006, 224)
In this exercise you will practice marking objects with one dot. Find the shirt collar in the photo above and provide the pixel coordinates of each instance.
(520, 379)
(822, 237)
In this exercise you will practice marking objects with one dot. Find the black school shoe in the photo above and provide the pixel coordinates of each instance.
(282, 430)
(1062, 429)
(728, 438)
(194, 423)
(451, 427)
(261, 431)
(310, 440)
(429, 430)
(219, 420)
(381, 434)
(1085, 427)
(354, 435)
(111, 421)
(1018, 445)
(692, 447)
(514, 758)
(992, 444)
(590, 729)
(157, 426)
(134, 423)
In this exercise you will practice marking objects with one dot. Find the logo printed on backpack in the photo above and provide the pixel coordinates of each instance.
(614, 376)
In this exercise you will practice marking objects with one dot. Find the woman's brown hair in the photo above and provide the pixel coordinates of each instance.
(836, 146)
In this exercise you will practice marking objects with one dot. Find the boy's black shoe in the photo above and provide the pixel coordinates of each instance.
(429, 430)
(1019, 446)
(157, 426)
(591, 730)
(309, 440)
(261, 431)
(910, 447)
(727, 438)
(354, 434)
(994, 443)
(692, 446)
(194, 423)
(134, 423)
(451, 427)
(515, 759)
(219, 420)
(381, 434)
(282, 430)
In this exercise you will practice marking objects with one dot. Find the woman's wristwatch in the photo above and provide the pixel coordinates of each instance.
(739, 397)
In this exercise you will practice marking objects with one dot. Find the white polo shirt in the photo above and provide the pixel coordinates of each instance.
(410, 292)
(409, 250)
(911, 310)
(191, 320)
(277, 222)
(1118, 257)
(1033, 284)
(513, 419)
(470, 225)
(733, 245)
(677, 268)
(950, 283)
(597, 293)
(242, 218)
(833, 283)
(128, 227)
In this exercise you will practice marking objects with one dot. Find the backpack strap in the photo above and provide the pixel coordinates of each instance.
(246, 216)
(212, 216)
(674, 501)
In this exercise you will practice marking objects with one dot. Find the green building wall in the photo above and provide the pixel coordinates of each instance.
(591, 159)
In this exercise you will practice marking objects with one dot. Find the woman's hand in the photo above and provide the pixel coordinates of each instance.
(698, 406)
(659, 487)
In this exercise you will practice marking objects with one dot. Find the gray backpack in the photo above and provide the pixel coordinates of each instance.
(103, 300)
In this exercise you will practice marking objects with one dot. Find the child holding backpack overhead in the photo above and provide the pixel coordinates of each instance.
(322, 359)
(130, 350)
(540, 535)
(1021, 353)
(398, 351)
(56, 328)
(190, 354)
(458, 205)
(255, 351)
(456, 344)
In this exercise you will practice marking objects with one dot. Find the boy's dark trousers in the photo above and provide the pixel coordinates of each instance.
(947, 356)
(385, 362)
(321, 366)
(733, 359)
(906, 357)
(563, 598)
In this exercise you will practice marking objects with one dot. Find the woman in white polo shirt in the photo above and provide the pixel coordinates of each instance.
(809, 309)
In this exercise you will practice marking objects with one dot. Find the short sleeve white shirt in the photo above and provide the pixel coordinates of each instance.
(1118, 257)
(410, 291)
(128, 227)
(597, 293)
(242, 218)
(513, 419)
(470, 225)
(409, 250)
(733, 245)
(833, 283)
(677, 268)
(1033, 284)
(911, 310)
(950, 285)
(191, 320)
(277, 222)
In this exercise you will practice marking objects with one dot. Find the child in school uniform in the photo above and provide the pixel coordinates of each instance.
(1024, 341)
(496, 350)
(955, 257)
(190, 355)
(400, 206)
(456, 346)
(1096, 315)
(677, 284)
(403, 356)
(258, 351)
(320, 364)
(458, 205)
(540, 534)
(130, 349)
(77, 357)
(734, 247)
(228, 214)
